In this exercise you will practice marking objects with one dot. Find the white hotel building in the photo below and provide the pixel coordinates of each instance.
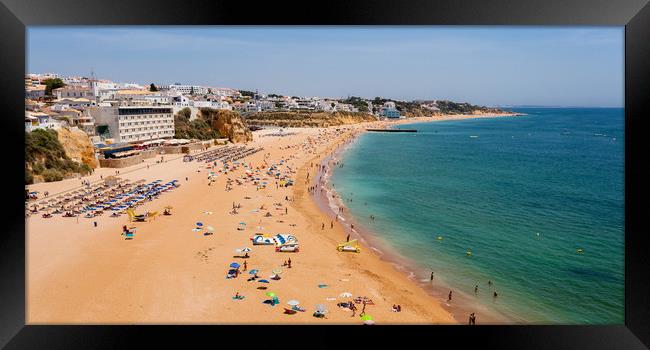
(136, 123)
(187, 89)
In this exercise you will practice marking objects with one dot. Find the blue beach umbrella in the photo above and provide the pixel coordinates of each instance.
(253, 271)
(234, 265)
(199, 224)
(263, 281)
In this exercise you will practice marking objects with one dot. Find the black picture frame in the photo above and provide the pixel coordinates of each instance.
(15, 15)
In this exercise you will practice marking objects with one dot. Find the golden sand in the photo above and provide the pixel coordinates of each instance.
(80, 274)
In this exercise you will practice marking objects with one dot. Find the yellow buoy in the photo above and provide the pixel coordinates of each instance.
(580, 250)
(440, 238)
(469, 252)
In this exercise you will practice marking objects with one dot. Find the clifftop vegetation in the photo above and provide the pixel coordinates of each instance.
(307, 119)
(196, 129)
(45, 158)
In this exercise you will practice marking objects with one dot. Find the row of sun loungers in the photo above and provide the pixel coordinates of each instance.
(224, 154)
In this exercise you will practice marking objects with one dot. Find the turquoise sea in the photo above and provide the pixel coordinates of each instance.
(522, 193)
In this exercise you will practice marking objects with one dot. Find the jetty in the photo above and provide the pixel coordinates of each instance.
(392, 130)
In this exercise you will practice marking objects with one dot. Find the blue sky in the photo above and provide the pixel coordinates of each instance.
(491, 65)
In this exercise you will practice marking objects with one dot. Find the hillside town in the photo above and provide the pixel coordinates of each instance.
(95, 105)
(115, 123)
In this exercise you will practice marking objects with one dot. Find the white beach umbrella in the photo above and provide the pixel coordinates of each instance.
(293, 302)
(345, 295)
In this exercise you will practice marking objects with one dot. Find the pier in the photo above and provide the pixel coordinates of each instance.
(392, 130)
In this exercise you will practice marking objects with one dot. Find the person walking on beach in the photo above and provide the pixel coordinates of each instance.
(331, 224)
(476, 289)
(289, 263)
(472, 319)
(286, 210)
(245, 266)
(449, 299)
(489, 283)
(348, 238)
(495, 294)
(353, 308)
(322, 226)
(432, 276)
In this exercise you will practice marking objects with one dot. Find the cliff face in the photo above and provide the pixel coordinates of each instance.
(77, 146)
(308, 119)
(228, 123)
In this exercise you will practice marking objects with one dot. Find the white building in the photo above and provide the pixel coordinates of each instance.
(35, 92)
(188, 89)
(39, 120)
(136, 123)
(265, 105)
(74, 92)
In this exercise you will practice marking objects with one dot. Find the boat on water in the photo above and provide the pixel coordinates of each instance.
(473, 136)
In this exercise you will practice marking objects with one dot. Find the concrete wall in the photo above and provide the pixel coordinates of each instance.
(192, 147)
(128, 161)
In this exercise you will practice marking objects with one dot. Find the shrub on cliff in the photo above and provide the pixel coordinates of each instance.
(45, 156)
(195, 129)
(50, 175)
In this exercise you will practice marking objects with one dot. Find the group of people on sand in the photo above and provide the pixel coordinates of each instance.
(287, 263)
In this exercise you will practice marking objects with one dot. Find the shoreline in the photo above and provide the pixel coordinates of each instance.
(77, 273)
(380, 248)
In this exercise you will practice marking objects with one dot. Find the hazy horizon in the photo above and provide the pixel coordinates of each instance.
(485, 65)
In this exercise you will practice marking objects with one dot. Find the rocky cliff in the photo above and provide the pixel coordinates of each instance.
(308, 119)
(227, 123)
(77, 146)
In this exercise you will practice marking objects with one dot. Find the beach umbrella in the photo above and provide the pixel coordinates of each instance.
(345, 295)
(246, 249)
(277, 271)
(293, 302)
(263, 281)
(242, 223)
(321, 308)
(253, 271)
(234, 265)
(199, 224)
(271, 294)
(369, 322)
(366, 317)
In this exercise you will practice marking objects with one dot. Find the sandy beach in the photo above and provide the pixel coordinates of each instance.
(81, 274)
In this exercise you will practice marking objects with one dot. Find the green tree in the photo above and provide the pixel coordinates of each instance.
(152, 87)
(51, 84)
